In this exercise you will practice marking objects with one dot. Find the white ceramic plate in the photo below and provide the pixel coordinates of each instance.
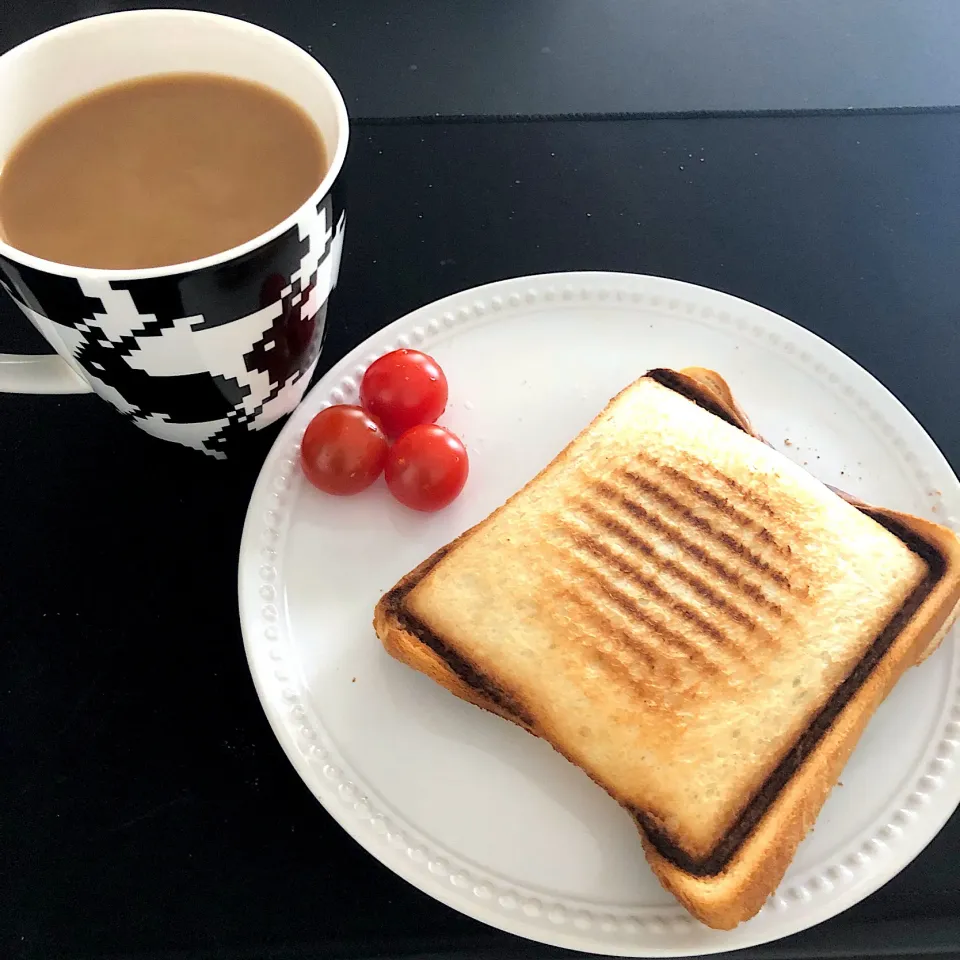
(468, 807)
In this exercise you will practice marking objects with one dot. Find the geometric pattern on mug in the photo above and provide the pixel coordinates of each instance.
(200, 379)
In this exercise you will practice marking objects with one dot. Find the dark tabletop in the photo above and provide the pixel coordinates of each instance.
(402, 58)
(146, 809)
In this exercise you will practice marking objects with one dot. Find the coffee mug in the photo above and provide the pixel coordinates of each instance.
(202, 352)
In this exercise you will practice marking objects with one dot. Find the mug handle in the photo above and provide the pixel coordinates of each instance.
(39, 374)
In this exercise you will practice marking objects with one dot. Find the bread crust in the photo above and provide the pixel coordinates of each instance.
(735, 893)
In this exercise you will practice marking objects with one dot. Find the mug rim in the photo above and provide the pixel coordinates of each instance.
(188, 266)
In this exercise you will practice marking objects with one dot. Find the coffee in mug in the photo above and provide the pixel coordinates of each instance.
(172, 218)
(159, 170)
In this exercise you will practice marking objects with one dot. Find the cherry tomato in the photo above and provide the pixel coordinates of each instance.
(402, 389)
(343, 450)
(427, 467)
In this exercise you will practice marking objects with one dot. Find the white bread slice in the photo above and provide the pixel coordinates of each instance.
(684, 710)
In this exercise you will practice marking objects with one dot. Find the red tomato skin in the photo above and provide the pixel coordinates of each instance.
(427, 468)
(343, 450)
(402, 389)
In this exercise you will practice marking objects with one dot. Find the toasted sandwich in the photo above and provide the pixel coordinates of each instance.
(691, 618)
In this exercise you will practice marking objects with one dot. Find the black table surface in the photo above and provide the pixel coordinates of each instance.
(397, 58)
(145, 808)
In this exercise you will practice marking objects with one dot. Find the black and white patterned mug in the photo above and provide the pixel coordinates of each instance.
(198, 353)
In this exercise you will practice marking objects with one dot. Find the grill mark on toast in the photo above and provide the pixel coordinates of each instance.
(656, 492)
(722, 506)
(794, 758)
(634, 611)
(637, 510)
(762, 505)
(594, 616)
(601, 551)
(701, 587)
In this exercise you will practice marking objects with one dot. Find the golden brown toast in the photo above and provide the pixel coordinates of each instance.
(692, 619)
